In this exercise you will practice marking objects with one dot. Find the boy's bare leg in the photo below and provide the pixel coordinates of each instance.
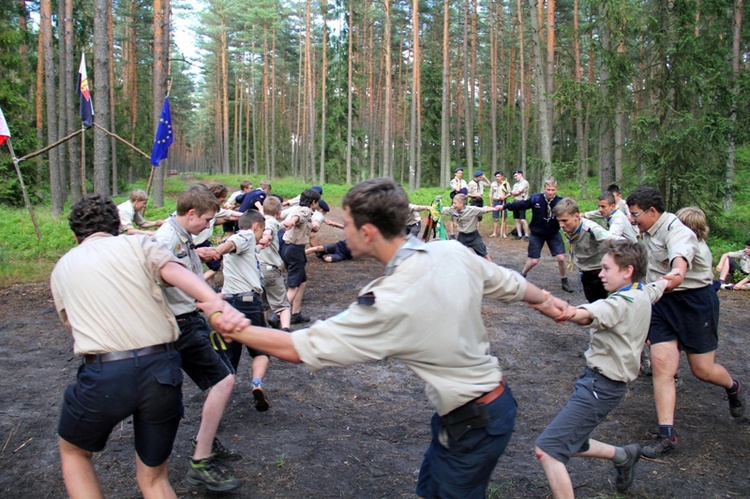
(561, 265)
(530, 264)
(557, 475)
(665, 360)
(705, 368)
(285, 318)
(260, 366)
(78, 472)
(213, 410)
(526, 229)
(153, 481)
(296, 301)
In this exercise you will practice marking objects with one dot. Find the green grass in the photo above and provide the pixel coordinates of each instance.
(24, 259)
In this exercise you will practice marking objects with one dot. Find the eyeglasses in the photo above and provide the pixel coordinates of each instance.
(636, 215)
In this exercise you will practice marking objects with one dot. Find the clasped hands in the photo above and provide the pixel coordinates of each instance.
(554, 308)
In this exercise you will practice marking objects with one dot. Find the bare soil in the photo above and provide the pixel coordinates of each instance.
(361, 431)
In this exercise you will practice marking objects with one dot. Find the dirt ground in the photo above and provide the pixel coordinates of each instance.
(361, 431)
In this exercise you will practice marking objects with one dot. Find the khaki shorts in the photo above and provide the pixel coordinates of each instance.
(274, 290)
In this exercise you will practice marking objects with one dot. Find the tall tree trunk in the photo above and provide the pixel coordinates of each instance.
(736, 41)
(445, 146)
(349, 94)
(550, 73)
(522, 93)
(582, 166)
(101, 97)
(606, 130)
(387, 106)
(111, 80)
(266, 104)
(45, 19)
(74, 150)
(414, 95)
(323, 96)
(63, 73)
(272, 88)
(309, 96)
(493, 85)
(224, 99)
(545, 127)
(467, 89)
(159, 91)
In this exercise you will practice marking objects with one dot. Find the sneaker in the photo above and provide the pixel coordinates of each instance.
(658, 446)
(219, 451)
(211, 474)
(298, 318)
(565, 286)
(261, 402)
(727, 286)
(625, 471)
(736, 403)
(526, 238)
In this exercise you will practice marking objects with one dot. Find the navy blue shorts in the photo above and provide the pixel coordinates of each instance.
(252, 307)
(462, 468)
(205, 365)
(413, 229)
(337, 251)
(554, 243)
(149, 388)
(496, 214)
(691, 317)
(474, 241)
(216, 264)
(295, 260)
(519, 214)
(594, 397)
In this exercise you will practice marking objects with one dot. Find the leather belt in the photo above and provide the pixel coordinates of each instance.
(490, 397)
(253, 294)
(92, 358)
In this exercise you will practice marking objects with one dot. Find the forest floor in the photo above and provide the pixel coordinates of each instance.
(361, 431)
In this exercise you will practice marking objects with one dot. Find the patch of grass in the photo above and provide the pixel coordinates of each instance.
(280, 460)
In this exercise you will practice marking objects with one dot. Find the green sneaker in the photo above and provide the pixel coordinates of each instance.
(211, 474)
(219, 451)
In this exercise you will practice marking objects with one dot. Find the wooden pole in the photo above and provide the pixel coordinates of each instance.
(83, 159)
(25, 194)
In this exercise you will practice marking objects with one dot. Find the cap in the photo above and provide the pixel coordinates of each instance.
(317, 188)
(322, 204)
(517, 171)
(459, 169)
(478, 173)
(499, 172)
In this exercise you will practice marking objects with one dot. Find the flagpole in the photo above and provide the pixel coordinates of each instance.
(23, 189)
(83, 159)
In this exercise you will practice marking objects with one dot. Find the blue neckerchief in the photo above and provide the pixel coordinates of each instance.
(635, 285)
(609, 218)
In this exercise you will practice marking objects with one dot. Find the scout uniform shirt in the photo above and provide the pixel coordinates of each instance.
(668, 239)
(440, 335)
(522, 186)
(270, 254)
(621, 322)
(180, 243)
(456, 186)
(617, 224)
(109, 291)
(476, 188)
(129, 217)
(300, 233)
(499, 191)
(205, 234)
(241, 271)
(742, 258)
(467, 219)
(586, 246)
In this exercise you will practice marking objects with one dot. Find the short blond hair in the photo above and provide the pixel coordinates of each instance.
(550, 182)
(138, 195)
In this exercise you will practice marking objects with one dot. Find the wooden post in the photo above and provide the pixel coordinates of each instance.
(25, 194)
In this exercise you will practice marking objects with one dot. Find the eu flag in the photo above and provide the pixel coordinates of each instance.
(164, 136)
(85, 108)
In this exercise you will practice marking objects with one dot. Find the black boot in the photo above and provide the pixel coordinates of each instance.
(566, 286)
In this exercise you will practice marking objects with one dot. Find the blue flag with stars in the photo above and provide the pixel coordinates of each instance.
(164, 136)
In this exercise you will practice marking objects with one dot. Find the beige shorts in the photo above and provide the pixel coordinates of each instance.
(274, 289)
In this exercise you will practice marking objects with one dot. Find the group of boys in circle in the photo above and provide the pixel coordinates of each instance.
(638, 242)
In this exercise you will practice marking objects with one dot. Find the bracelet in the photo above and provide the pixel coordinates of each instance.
(212, 317)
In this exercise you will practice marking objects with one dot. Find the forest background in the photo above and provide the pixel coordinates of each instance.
(635, 92)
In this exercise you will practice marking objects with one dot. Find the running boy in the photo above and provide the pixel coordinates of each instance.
(271, 267)
(616, 220)
(586, 242)
(207, 367)
(466, 218)
(612, 360)
(243, 289)
(130, 214)
(298, 226)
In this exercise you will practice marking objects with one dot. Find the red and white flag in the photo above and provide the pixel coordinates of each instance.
(4, 130)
